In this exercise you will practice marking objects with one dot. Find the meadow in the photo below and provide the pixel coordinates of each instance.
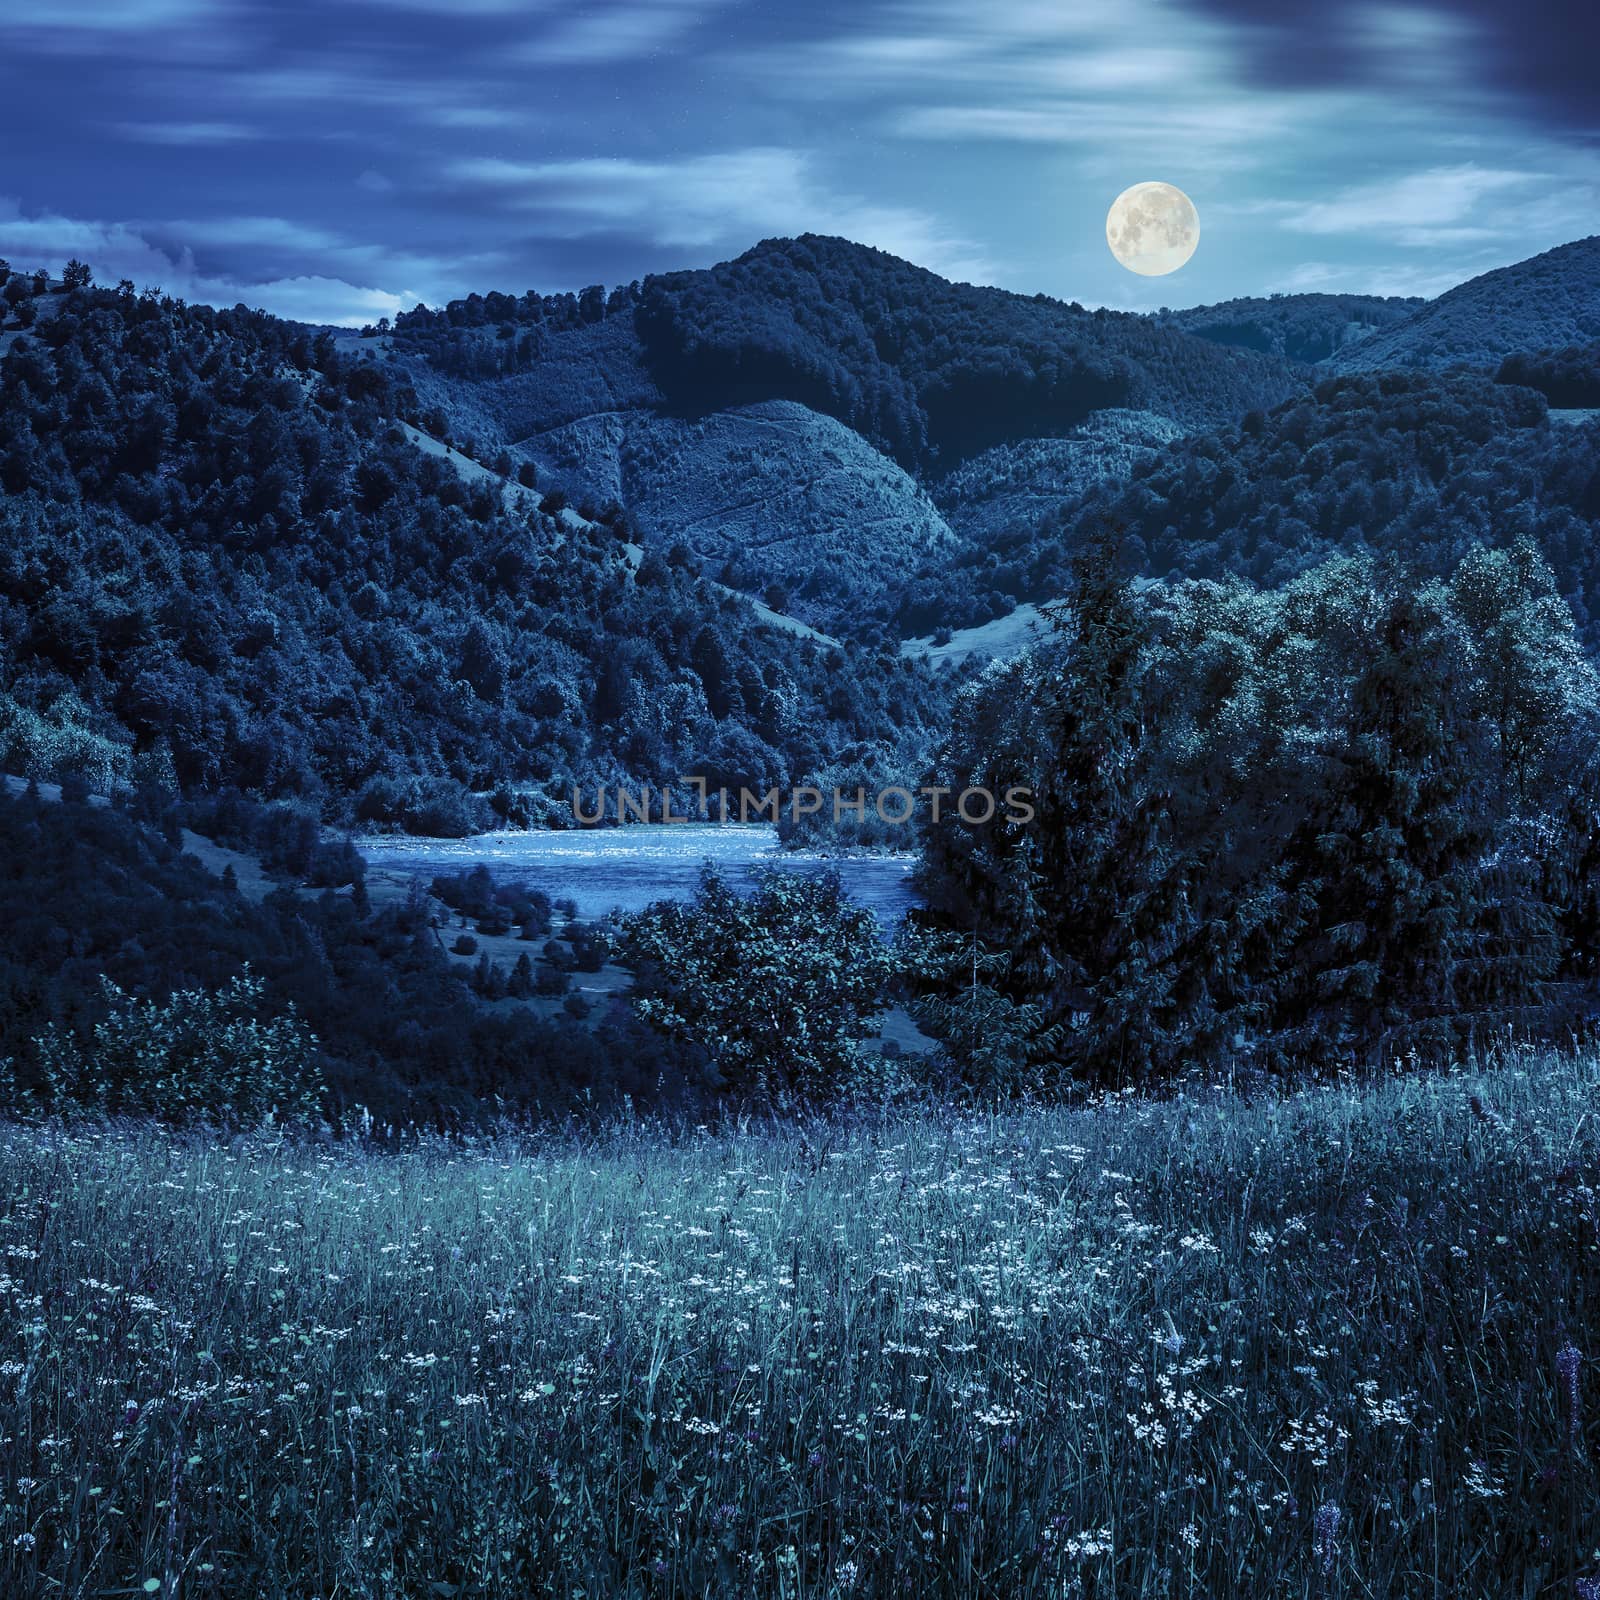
(1335, 1343)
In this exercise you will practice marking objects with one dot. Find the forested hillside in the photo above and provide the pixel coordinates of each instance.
(1545, 302)
(926, 369)
(224, 562)
(1415, 465)
(786, 415)
(923, 368)
(1304, 328)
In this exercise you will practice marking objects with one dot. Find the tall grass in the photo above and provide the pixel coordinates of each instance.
(1340, 1344)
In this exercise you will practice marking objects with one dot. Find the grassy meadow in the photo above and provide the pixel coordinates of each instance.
(1338, 1344)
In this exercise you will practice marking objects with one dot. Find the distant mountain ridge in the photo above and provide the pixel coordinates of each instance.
(786, 415)
(1547, 302)
(1302, 328)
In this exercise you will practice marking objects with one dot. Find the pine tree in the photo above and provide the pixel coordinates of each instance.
(1105, 897)
(520, 984)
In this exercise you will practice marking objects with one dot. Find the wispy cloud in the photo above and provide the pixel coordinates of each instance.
(1145, 73)
(116, 251)
(132, 16)
(724, 199)
(185, 135)
(622, 31)
(1426, 279)
(269, 232)
(1434, 206)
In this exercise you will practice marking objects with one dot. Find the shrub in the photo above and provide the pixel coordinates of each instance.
(590, 946)
(203, 1055)
(779, 985)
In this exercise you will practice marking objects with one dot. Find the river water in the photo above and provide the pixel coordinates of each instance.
(607, 869)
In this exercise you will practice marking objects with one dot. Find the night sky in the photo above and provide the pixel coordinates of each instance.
(339, 160)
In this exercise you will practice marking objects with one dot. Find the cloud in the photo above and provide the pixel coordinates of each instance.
(1323, 277)
(623, 31)
(112, 16)
(1416, 209)
(457, 116)
(116, 251)
(728, 199)
(1138, 82)
(277, 233)
(185, 134)
(1538, 54)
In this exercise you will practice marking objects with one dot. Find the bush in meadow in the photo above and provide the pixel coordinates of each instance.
(200, 1056)
(779, 985)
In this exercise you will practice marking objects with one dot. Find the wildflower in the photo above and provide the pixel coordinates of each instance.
(1569, 1362)
(1325, 1530)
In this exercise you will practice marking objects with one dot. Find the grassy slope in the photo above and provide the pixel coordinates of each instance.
(1200, 1348)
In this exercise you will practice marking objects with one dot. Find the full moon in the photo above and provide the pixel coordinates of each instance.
(1152, 228)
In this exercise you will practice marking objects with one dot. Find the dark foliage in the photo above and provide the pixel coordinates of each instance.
(87, 891)
(1417, 465)
(221, 554)
(922, 367)
(1353, 819)
(1304, 328)
(1568, 378)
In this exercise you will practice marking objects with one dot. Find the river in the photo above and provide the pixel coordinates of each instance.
(605, 869)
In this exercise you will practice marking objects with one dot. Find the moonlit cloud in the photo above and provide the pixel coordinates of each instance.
(618, 32)
(360, 149)
(105, 15)
(115, 251)
(184, 134)
(1416, 208)
(728, 200)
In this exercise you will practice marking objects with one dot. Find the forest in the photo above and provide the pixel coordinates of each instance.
(1417, 465)
(1352, 819)
(1313, 727)
(224, 563)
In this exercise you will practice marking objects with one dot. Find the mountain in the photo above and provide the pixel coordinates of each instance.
(770, 496)
(1546, 302)
(232, 557)
(1419, 467)
(816, 414)
(434, 576)
(1303, 328)
(925, 369)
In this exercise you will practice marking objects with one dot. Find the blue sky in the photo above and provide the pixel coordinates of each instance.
(342, 159)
